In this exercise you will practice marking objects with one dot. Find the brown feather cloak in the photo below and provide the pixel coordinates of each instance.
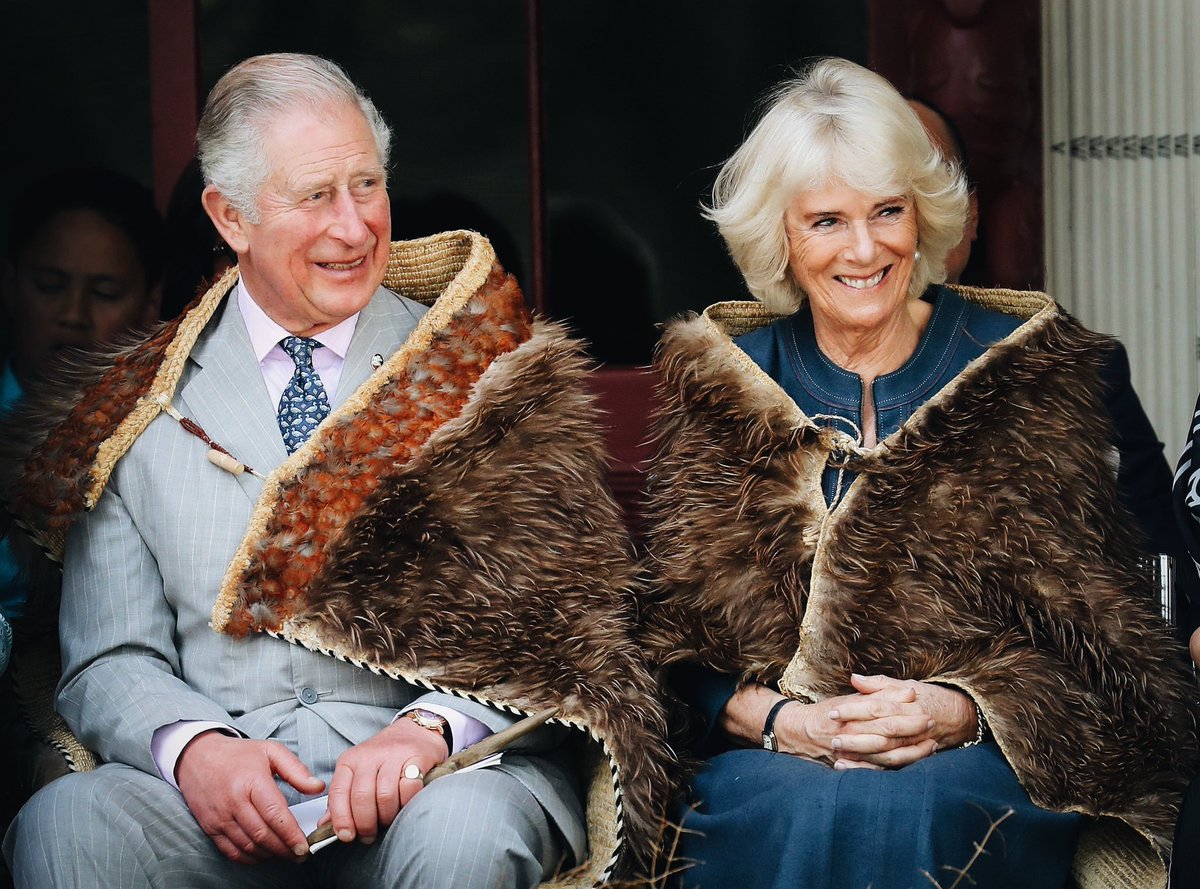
(449, 525)
(981, 545)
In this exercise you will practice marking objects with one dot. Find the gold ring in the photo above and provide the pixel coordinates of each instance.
(413, 772)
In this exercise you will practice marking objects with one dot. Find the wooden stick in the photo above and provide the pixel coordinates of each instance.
(468, 756)
(217, 455)
(493, 743)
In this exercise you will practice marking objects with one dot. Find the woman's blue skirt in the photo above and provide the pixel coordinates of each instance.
(763, 820)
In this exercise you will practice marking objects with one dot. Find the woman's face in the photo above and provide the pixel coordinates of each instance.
(78, 283)
(853, 254)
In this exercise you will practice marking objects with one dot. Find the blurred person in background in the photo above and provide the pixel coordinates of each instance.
(83, 268)
(1143, 474)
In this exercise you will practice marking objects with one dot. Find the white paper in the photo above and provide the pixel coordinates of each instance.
(486, 762)
(307, 814)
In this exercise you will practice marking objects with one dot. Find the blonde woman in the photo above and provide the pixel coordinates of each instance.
(888, 541)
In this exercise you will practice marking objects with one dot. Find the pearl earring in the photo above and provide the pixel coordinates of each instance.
(917, 256)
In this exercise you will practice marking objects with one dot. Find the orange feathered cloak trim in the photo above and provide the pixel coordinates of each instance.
(70, 449)
(310, 501)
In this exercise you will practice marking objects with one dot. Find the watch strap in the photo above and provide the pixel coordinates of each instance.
(768, 731)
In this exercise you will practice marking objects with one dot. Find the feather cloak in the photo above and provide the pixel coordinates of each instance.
(448, 526)
(981, 545)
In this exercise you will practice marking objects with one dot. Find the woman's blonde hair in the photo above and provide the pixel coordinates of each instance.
(839, 123)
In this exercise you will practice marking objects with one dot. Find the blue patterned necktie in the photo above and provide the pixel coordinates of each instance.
(304, 403)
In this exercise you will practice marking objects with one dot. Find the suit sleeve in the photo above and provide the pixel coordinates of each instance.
(706, 692)
(120, 663)
(1144, 481)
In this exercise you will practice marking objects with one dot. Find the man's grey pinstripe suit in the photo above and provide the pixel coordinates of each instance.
(141, 574)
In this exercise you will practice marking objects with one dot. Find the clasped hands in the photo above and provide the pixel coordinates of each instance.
(887, 723)
(229, 786)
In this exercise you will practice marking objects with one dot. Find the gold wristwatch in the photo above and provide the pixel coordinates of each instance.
(435, 722)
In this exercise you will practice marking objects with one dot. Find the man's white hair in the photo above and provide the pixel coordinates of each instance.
(249, 97)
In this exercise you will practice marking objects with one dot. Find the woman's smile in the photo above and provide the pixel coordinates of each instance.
(863, 283)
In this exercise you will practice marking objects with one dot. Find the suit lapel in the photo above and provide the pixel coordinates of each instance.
(225, 393)
(382, 328)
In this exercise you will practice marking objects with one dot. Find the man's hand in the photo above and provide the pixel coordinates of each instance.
(229, 786)
(369, 788)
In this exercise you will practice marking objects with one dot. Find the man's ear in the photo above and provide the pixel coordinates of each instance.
(228, 220)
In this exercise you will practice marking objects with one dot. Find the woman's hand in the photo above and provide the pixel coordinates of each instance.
(816, 731)
(952, 722)
(888, 723)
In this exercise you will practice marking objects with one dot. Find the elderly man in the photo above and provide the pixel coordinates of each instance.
(416, 492)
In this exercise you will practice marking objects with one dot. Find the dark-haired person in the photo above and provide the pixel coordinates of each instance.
(195, 255)
(82, 268)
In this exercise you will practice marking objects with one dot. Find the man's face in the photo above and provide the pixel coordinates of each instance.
(78, 283)
(943, 141)
(320, 248)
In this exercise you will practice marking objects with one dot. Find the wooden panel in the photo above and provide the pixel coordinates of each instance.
(174, 91)
(979, 63)
(626, 396)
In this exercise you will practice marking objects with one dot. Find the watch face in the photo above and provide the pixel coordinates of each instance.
(427, 719)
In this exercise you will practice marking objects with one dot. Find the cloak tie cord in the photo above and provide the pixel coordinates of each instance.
(217, 455)
(845, 457)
